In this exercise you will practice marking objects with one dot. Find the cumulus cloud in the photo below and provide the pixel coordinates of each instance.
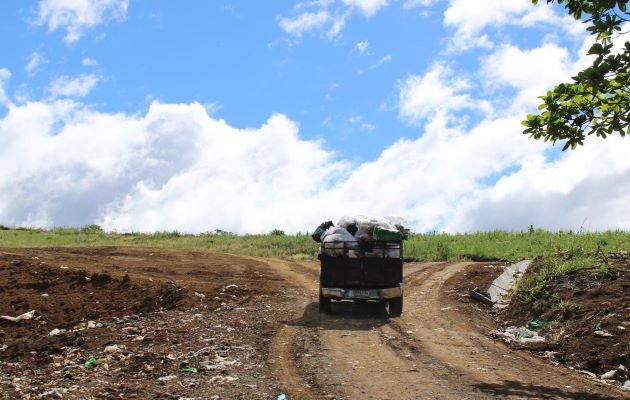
(587, 189)
(469, 19)
(531, 72)
(65, 86)
(35, 60)
(76, 17)
(438, 92)
(173, 168)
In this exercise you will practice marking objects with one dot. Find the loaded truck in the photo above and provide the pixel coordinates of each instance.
(361, 271)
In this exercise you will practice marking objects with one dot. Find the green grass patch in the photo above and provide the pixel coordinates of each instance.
(481, 246)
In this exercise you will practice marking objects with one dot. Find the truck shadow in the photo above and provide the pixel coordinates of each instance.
(345, 316)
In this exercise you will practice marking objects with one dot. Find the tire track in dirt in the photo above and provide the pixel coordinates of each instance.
(282, 349)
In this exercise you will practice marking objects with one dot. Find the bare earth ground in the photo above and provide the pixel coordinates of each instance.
(172, 324)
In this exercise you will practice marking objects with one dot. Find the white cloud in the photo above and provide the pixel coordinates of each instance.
(326, 16)
(173, 168)
(304, 22)
(588, 188)
(362, 47)
(89, 62)
(367, 7)
(436, 93)
(383, 60)
(35, 60)
(471, 18)
(531, 72)
(76, 17)
(65, 86)
(176, 167)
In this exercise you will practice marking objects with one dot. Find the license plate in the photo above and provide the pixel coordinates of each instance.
(362, 293)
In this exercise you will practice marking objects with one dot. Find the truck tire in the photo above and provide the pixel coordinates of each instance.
(324, 304)
(395, 307)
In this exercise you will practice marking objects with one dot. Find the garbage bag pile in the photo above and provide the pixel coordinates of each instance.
(356, 236)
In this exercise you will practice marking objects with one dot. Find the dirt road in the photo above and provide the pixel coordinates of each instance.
(272, 331)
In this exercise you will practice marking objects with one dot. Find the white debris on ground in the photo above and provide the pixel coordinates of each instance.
(500, 291)
(28, 315)
(520, 335)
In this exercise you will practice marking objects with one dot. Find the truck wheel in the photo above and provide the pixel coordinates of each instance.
(395, 307)
(324, 304)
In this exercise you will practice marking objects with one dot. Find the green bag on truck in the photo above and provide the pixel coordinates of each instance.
(388, 235)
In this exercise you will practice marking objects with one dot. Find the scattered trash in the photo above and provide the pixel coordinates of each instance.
(55, 332)
(189, 370)
(610, 374)
(231, 286)
(91, 362)
(200, 295)
(27, 315)
(114, 348)
(626, 386)
(212, 367)
(520, 335)
(589, 373)
(3, 347)
(603, 333)
(282, 397)
(220, 379)
(537, 324)
(167, 378)
(480, 296)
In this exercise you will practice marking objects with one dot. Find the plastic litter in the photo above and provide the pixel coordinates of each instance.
(91, 362)
(114, 348)
(626, 386)
(521, 335)
(602, 333)
(27, 315)
(610, 374)
(189, 370)
(55, 332)
(282, 397)
(537, 324)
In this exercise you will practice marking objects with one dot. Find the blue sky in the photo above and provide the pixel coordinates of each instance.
(316, 108)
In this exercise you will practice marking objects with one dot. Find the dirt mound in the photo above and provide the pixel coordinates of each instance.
(63, 298)
(591, 329)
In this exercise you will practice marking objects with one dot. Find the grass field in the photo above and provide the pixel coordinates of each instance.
(482, 246)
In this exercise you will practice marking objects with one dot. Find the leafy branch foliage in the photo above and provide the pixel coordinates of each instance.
(597, 101)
